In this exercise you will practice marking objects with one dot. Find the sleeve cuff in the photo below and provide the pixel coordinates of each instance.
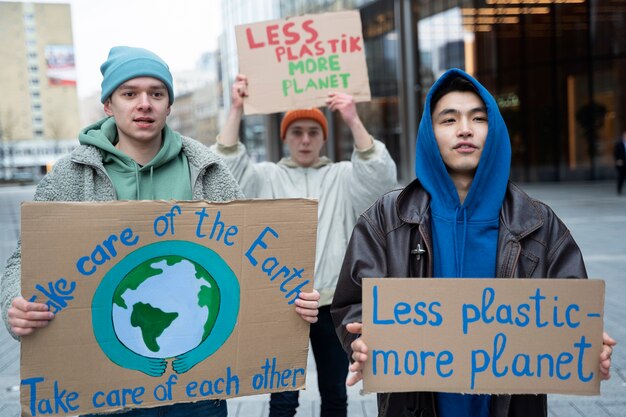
(367, 153)
(224, 149)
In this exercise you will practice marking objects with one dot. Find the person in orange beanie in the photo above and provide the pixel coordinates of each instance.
(344, 189)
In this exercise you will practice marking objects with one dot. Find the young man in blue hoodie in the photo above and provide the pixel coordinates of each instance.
(132, 154)
(460, 218)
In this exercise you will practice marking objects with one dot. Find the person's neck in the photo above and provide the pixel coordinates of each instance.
(462, 185)
(140, 152)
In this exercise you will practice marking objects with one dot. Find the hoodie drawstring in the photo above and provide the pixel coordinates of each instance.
(152, 181)
(459, 262)
(137, 181)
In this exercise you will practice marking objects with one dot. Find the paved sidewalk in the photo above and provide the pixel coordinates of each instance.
(597, 219)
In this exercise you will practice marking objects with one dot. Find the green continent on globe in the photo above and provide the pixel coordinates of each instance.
(140, 274)
(210, 298)
(152, 321)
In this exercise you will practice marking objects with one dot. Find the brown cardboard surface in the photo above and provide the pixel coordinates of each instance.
(483, 335)
(294, 63)
(120, 274)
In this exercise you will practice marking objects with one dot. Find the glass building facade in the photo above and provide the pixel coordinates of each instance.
(556, 67)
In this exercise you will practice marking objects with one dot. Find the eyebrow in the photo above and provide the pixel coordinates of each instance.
(445, 112)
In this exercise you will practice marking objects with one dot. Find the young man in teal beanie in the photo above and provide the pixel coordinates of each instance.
(132, 154)
(460, 218)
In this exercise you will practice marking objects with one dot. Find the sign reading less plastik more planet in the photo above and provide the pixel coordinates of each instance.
(160, 302)
(490, 336)
(294, 63)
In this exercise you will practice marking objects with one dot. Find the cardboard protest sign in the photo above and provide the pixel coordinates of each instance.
(493, 336)
(294, 63)
(160, 302)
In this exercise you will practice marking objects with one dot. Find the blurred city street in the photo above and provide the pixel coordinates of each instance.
(593, 212)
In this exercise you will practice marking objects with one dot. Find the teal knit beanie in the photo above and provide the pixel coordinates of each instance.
(125, 63)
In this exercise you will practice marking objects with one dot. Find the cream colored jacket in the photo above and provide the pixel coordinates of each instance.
(344, 190)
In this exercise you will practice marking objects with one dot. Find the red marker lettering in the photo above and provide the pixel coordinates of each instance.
(292, 36)
(251, 43)
(272, 34)
(307, 26)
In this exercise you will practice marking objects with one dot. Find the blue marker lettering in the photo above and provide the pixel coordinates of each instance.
(538, 298)
(568, 316)
(259, 242)
(582, 345)
(375, 318)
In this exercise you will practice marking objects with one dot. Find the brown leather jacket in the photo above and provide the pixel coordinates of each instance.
(393, 239)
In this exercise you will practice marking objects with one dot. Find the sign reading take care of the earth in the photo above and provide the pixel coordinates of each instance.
(164, 302)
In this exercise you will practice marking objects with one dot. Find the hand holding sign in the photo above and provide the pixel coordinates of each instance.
(25, 317)
(230, 131)
(605, 357)
(307, 305)
(359, 354)
(239, 91)
(346, 106)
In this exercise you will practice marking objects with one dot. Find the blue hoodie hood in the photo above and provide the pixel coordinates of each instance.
(465, 236)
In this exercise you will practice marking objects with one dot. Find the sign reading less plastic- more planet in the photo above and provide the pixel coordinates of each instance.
(294, 63)
(523, 336)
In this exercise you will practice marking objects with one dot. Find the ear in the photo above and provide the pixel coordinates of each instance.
(169, 109)
(107, 107)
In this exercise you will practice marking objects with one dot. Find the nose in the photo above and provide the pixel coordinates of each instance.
(306, 137)
(465, 129)
(143, 101)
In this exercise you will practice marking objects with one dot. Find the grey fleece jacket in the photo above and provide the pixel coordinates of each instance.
(80, 176)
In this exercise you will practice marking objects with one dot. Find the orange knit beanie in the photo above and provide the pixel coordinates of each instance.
(311, 114)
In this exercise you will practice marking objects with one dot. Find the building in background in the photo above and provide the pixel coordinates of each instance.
(39, 102)
(198, 104)
(254, 129)
(556, 67)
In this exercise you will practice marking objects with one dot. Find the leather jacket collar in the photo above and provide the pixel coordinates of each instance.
(413, 202)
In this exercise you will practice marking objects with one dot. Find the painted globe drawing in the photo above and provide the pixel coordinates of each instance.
(165, 306)
(170, 302)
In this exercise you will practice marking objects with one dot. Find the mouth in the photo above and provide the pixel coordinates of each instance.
(144, 119)
(465, 147)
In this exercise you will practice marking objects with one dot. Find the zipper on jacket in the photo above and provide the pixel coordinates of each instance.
(306, 182)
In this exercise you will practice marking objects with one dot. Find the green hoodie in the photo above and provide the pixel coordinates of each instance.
(165, 177)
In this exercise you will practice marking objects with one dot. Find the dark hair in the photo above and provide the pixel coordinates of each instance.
(452, 84)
